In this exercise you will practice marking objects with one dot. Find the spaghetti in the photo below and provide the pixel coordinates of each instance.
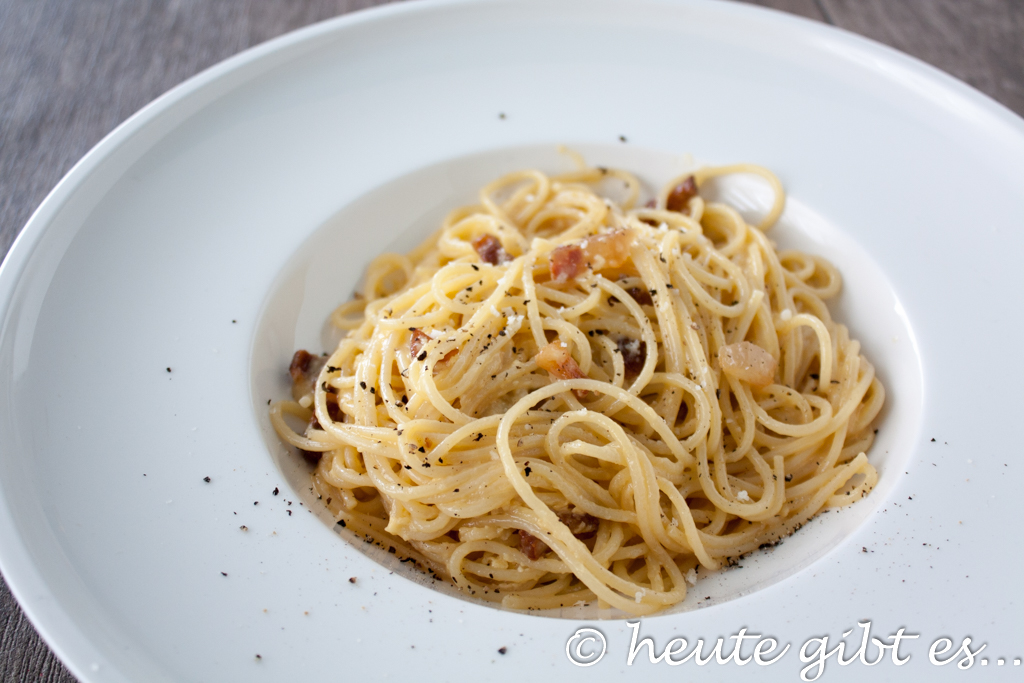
(561, 399)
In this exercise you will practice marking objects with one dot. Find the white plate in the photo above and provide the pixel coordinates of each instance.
(216, 203)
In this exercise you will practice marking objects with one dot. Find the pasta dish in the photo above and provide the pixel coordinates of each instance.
(567, 397)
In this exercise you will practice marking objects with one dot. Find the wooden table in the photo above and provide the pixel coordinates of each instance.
(72, 70)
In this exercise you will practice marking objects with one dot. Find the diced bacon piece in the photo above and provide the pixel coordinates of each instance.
(603, 251)
(300, 364)
(556, 359)
(608, 251)
(333, 412)
(641, 296)
(531, 546)
(312, 457)
(747, 362)
(489, 248)
(634, 353)
(566, 263)
(304, 369)
(581, 524)
(419, 338)
(680, 196)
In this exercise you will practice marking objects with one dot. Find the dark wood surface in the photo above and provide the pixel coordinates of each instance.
(72, 70)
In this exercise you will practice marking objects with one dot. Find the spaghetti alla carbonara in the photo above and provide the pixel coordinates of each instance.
(562, 399)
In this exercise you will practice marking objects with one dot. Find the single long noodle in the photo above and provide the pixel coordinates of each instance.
(444, 432)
